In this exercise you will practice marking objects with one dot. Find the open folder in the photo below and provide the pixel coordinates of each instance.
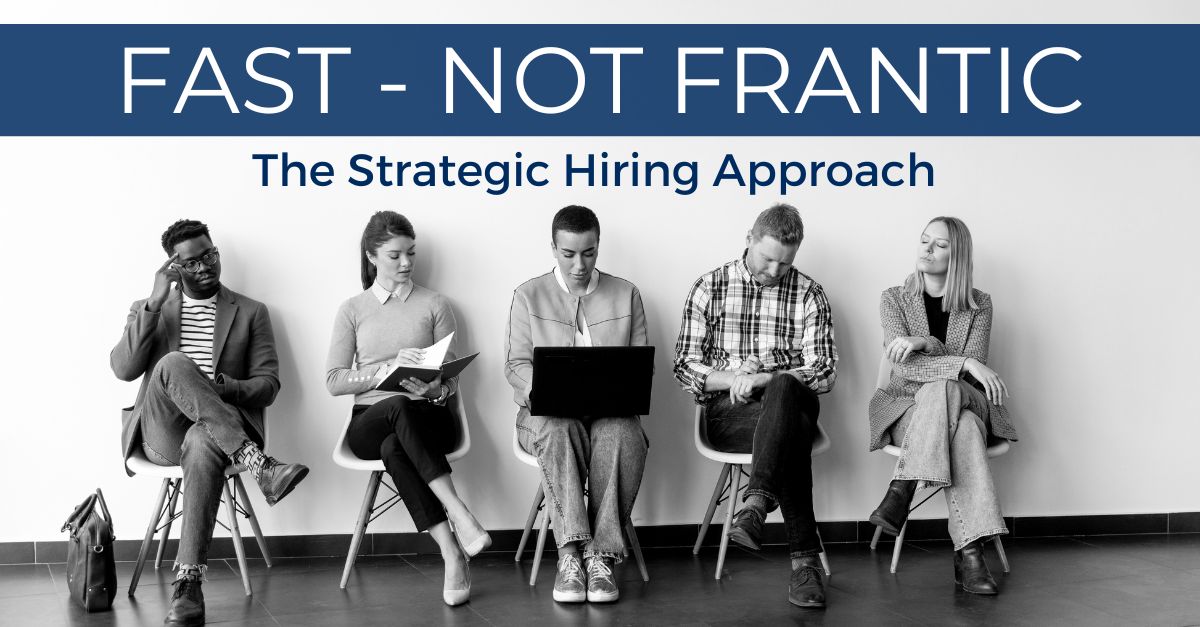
(430, 368)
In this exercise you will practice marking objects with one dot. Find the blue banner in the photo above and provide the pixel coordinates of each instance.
(599, 80)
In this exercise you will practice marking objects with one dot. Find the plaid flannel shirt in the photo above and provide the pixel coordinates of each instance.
(729, 316)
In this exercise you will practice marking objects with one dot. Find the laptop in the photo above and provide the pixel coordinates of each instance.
(576, 381)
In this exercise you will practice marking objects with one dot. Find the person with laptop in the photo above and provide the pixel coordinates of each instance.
(390, 324)
(577, 305)
(756, 348)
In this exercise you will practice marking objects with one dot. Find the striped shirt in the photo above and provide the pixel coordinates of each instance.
(196, 324)
(729, 316)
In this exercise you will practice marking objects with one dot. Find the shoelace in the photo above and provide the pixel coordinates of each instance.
(568, 565)
(806, 573)
(597, 568)
(187, 587)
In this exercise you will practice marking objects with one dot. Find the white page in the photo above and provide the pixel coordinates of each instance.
(436, 354)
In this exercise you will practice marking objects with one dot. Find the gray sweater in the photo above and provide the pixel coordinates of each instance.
(366, 334)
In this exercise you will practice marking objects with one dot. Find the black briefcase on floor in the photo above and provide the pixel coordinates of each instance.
(91, 567)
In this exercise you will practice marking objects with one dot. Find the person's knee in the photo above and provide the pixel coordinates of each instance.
(796, 395)
(200, 452)
(934, 389)
(560, 435)
(625, 433)
(173, 362)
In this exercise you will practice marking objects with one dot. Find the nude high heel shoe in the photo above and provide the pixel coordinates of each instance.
(460, 596)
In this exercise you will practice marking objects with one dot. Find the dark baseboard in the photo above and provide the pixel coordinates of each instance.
(650, 537)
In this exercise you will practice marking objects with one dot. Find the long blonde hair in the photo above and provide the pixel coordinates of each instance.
(959, 284)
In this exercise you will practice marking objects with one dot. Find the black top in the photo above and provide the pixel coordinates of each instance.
(936, 317)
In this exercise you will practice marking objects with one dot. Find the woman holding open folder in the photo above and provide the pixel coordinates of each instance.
(390, 324)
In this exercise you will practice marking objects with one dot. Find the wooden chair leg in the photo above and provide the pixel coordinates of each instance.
(896, 549)
(735, 480)
(249, 509)
(155, 516)
(533, 510)
(631, 533)
(824, 557)
(360, 527)
(166, 531)
(541, 545)
(722, 477)
(1000, 551)
(231, 510)
(875, 538)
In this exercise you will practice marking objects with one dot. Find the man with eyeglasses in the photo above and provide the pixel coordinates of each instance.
(208, 358)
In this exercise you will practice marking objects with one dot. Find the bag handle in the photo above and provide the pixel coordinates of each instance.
(104, 509)
(80, 511)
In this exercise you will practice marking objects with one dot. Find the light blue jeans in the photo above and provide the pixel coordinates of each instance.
(944, 444)
(606, 454)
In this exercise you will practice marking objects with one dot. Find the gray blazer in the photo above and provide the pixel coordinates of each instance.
(244, 360)
(967, 335)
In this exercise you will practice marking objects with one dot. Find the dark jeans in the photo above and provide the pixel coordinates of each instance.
(185, 423)
(412, 438)
(778, 428)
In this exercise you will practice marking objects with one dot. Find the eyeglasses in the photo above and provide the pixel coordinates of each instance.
(192, 266)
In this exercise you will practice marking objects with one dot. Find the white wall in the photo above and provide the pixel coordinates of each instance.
(1083, 243)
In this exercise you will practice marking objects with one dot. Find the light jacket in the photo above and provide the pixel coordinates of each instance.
(968, 334)
(543, 314)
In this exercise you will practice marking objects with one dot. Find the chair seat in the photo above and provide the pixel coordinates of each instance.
(344, 457)
(524, 456)
(995, 450)
(142, 466)
(820, 445)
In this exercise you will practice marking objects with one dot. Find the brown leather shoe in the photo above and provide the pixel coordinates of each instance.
(278, 479)
(807, 588)
(187, 604)
(971, 571)
(893, 510)
(747, 528)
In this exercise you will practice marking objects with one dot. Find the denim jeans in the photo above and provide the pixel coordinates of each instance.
(609, 455)
(778, 428)
(412, 438)
(184, 422)
(944, 444)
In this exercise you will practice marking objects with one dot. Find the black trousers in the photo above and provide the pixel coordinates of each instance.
(778, 428)
(412, 438)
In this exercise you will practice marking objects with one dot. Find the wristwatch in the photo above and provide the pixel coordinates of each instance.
(443, 394)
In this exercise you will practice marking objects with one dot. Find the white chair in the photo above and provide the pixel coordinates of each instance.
(539, 501)
(995, 450)
(344, 457)
(235, 499)
(729, 484)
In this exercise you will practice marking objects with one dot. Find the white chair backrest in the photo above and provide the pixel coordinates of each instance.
(885, 373)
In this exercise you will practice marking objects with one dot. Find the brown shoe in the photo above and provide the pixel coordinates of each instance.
(971, 571)
(892, 512)
(807, 587)
(187, 604)
(747, 528)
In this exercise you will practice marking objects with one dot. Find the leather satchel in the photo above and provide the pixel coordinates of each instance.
(91, 566)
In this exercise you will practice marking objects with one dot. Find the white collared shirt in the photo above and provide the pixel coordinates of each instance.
(383, 295)
(582, 336)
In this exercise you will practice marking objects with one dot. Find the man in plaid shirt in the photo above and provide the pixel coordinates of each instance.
(756, 348)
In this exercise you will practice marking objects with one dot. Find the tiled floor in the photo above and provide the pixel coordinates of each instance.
(1116, 580)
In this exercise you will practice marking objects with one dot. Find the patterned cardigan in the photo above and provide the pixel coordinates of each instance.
(967, 335)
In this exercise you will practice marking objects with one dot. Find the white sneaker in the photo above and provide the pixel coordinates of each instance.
(569, 586)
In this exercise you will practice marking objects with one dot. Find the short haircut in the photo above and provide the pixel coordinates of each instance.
(574, 219)
(182, 231)
(960, 288)
(781, 222)
(382, 226)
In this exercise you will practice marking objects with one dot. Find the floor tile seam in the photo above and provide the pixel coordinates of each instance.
(267, 610)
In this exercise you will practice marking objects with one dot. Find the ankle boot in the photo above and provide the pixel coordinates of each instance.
(971, 571)
(893, 510)
(275, 478)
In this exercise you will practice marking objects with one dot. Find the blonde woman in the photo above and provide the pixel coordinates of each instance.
(943, 402)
